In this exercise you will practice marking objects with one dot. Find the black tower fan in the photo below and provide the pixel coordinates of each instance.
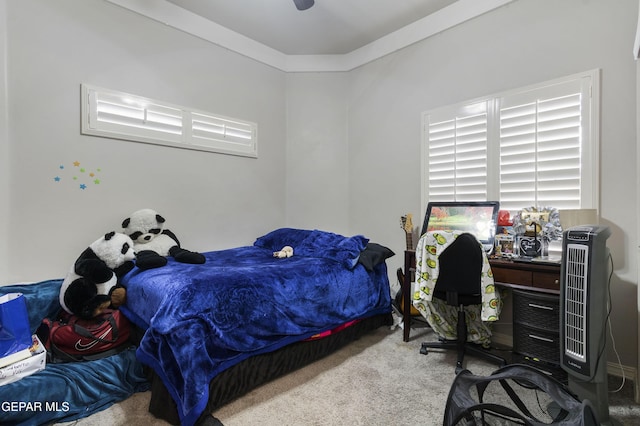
(584, 298)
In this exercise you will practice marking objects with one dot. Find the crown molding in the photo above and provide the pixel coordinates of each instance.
(188, 22)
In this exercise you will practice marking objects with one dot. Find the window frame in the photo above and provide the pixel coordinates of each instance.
(589, 82)
(227, 136)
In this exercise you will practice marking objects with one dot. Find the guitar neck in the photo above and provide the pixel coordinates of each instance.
(407, 227)
(409, 238)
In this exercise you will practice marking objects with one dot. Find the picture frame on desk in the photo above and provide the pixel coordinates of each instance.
(531, 246)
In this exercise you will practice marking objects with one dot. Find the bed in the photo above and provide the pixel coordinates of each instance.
(214, 331)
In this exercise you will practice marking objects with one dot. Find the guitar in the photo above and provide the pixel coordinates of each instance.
(406, 223)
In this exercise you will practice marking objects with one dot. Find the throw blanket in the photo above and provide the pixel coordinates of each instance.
(202, 319)
(66, 392)
(442, 317)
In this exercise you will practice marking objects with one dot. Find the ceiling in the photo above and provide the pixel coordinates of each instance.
(333, 35)
(329, 27)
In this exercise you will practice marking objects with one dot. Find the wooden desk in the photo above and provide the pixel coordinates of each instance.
(535, 289)
(529, 276)
(532, 276)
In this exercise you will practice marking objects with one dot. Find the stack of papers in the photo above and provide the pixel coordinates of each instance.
(23, 363)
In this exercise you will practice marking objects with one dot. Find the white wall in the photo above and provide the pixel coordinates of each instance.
(524, 42)
(4, 150)
(210, 200)
(317, 156)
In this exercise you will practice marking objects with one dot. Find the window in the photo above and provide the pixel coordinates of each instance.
(535, 146)
(118, 115)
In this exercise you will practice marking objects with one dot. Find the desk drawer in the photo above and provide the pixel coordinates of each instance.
(537, 344)
(540, 311)
(512, 276)
(548, 280)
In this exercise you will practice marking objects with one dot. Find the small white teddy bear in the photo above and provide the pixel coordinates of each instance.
(287, 251)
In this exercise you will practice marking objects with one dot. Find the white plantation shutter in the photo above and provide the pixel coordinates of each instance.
(127, 116)
(217, 132)
(457, 154)
(540, 148)
(531, 147)
(120, 115)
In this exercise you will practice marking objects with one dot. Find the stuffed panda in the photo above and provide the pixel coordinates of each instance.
(152, 244)
(91, 285)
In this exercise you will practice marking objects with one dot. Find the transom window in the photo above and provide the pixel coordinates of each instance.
(120, 115)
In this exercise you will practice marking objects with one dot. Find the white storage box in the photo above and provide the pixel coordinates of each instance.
(19, 369)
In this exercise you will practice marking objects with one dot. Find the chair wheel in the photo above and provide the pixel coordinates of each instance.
(424, 349)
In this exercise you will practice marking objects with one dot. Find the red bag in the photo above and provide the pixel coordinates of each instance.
(71, 338)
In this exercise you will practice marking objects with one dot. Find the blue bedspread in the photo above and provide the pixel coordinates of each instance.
(202, 319)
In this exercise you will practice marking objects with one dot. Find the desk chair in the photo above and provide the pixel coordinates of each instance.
(459, 284)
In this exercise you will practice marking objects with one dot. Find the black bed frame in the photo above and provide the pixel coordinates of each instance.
(249, 374)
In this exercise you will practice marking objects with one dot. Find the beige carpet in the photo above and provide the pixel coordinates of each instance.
(377, 380)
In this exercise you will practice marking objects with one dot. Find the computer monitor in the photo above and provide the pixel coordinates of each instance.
(476, 217)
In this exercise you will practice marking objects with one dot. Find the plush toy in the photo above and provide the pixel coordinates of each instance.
(91, 285)
(152, 244)
(287, 251)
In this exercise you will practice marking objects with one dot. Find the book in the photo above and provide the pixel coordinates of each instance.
(15, 357)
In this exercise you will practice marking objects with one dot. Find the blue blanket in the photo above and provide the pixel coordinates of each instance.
(202, 319)
(65, 392)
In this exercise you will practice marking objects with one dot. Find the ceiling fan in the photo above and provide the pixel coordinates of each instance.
(303, 4)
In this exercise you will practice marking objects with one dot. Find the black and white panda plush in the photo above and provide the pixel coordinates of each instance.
(152, 244)
(91, 285)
